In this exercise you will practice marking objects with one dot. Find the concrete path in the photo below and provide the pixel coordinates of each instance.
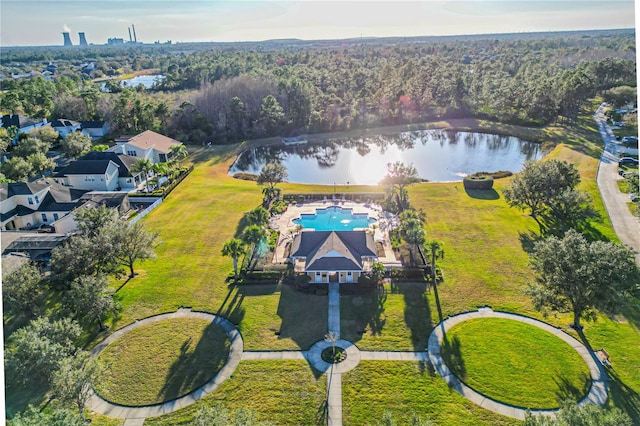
(334, 308)
(597, 393)
(627, 226)
(334, 378)
(135, 415)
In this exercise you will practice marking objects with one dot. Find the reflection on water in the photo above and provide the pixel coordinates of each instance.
(438, 156)
(147, 81)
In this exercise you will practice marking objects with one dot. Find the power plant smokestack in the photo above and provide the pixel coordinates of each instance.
(130, 39)
(135, 39)
(67, 39)
(83, 40)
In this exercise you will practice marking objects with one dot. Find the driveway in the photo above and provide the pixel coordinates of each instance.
(627, 226)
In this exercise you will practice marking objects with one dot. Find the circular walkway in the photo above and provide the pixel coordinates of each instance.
(99, 405)
(597, 393)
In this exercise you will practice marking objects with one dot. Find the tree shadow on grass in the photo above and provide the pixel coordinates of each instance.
(18, 396)
(528, 240)
(362, 311)
(304, 317)
(417, 313)
(568, 389)
(199, 361)
(231, 307)
(623, 397)
(482, 194)
(631, 311)
(452, 356)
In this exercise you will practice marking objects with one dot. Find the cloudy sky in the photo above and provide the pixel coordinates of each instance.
(31, 22)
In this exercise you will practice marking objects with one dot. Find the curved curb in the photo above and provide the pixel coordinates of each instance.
(99, 405)
(597, 392)
(314, 356)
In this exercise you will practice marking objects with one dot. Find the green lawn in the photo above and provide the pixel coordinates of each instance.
(406, 388)
(398, 319)
(162, 361)
(536, 369)
(283, 392)
(486, 263)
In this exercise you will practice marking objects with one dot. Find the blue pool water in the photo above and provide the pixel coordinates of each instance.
(334, 219)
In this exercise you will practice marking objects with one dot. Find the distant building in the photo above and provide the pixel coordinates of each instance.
(95, 129)
(83, 40)
(67, 39)
(115, 41)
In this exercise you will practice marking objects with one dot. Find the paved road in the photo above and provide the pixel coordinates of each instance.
(627, 226)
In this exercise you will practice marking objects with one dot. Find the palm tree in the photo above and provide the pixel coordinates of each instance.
(178, 152)
(252, 236)
(234, 248)
(258, 216)
(143, 165)
(436, 251)
(413, 234)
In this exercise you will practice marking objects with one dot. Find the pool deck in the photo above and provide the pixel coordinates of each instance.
(384, 222)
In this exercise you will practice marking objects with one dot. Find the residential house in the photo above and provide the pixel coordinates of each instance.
(148, 144)
(95, 129)
(101, 171)
(333, 256)
(64, 127)
(28, 205)
(22, 123)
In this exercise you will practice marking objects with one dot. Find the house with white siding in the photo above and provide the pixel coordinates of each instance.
(101, 171)
(29, 205)
(148, 144)
(333, 256)
(64, 127)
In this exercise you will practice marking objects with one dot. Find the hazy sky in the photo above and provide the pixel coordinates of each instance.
(31, 22)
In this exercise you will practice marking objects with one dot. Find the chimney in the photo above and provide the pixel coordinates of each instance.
(83, 40)
(67, 39)
(130, 39)
(135, 39)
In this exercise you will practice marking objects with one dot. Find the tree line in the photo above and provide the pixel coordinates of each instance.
(228, 95)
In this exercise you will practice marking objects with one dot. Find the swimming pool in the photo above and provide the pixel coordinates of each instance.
(334, 219)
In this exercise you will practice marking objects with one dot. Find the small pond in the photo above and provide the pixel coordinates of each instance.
(438, 155)
(146, 80)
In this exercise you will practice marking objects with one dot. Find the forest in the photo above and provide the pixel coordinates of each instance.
(228, 93)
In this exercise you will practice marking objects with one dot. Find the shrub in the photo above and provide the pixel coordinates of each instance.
(246, 176)
(481, 182)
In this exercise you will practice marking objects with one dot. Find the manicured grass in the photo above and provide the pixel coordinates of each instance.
(486, 263)
(282, 392)
(406, 388)
(162, 361)
(515, 363)
(399, 318)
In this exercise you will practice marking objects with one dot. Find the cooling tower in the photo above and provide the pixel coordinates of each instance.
(83, 40)
(67, 39)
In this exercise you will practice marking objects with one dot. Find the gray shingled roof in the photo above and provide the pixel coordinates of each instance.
(125, 162)
(333, 250)
(86, 167)
(8, 190)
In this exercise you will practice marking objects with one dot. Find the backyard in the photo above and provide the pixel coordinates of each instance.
(485, 263)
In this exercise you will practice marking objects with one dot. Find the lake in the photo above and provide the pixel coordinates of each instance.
(438, 156)
(146, 80)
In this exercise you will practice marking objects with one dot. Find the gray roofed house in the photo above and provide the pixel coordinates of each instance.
(33, 204)
(64, 126)
(22, 123)
(95, 129)
(100, 171)
(333, 256)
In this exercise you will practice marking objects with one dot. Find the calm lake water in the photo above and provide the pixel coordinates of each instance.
(438, 155)
(146, 80)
